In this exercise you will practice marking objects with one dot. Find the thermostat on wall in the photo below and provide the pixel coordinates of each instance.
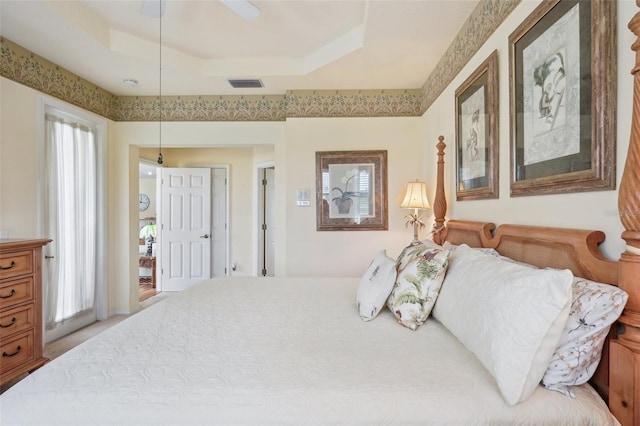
(303, 197)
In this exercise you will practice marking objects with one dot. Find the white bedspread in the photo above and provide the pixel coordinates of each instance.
(250, 351)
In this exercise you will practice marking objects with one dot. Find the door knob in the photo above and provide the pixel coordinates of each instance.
(48, 257)
(204, 236)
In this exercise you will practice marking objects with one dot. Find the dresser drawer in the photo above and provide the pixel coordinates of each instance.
(16, 263)
(16, 291)
(16, 351)
(16, 320)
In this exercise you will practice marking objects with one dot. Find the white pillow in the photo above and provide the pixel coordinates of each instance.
(510, 316)
(375, 286)
(594, 308)
(421, 269)
(451, 247)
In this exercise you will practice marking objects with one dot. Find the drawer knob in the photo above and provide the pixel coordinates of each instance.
(13, 321)
(6, 355)
(8, 267)
(13, 291)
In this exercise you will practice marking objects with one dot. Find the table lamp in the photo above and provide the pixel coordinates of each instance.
(415, 198)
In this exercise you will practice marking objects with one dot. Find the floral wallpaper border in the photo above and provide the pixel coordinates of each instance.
(353, 103)
(25, 67)
(201, 108)
(20, 65)
(484, 20)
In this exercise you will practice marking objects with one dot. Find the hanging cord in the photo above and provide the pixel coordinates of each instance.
(160, 161)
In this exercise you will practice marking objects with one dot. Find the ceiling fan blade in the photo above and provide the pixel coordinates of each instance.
(153, 8)
(244, 8)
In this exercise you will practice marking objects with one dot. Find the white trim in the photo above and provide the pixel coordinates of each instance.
(158, 227)
(43, 103)
(227, 213)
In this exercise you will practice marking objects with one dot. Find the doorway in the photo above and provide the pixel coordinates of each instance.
(74, 218)
(147, 230)
(266, 222)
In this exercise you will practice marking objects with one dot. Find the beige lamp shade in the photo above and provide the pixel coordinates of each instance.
(416, 196)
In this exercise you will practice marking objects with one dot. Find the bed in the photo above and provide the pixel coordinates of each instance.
(312, 362)
(304, 356)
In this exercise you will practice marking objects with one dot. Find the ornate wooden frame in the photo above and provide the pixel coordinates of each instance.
(600, 144)
(485, 79)
(327, 219)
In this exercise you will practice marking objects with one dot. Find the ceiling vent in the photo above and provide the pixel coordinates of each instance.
(246, 84)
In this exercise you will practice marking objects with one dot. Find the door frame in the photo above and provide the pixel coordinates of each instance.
(259, 213)
(44, 102)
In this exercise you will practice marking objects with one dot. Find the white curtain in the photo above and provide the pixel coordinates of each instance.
(71, 219)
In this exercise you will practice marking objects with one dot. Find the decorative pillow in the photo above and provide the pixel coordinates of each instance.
(421, 269)
(510, 316)
(375, 286)
(594, 308)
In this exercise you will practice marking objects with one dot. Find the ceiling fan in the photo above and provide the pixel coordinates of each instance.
(244, 8)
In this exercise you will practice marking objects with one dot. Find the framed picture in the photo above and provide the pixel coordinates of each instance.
(351, 190)
(477, 133)
(562, 98)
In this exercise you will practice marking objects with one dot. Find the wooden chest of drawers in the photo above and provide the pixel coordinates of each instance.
(20, 307)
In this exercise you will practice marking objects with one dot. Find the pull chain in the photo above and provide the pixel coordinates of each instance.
(160, 161)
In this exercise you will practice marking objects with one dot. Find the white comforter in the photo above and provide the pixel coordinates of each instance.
(249, 351)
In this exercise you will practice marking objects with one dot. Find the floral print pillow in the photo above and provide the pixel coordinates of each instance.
(594, 308)
(421, 270)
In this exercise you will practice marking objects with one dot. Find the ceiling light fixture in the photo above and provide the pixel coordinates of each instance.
(130, 82)
(160, 160)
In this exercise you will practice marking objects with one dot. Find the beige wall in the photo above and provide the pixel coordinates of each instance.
(346, 253)
(291, 145)
(18, 161)
(590, 210)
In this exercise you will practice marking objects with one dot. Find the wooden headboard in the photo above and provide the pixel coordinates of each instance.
(573, 249)
(563, 248)
(618, 376)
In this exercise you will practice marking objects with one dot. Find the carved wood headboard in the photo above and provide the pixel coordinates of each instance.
(562, 248)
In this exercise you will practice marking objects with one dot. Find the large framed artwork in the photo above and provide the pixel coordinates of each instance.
(563, 98)
(351, 190)
(477, 133)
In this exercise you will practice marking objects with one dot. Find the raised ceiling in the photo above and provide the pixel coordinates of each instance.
(293, 45)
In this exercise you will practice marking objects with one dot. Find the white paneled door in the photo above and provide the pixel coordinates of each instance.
(185, 228)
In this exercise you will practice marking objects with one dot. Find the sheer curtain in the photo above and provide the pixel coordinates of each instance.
(71, 163)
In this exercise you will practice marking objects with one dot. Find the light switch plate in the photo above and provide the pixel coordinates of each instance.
(302, 197)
